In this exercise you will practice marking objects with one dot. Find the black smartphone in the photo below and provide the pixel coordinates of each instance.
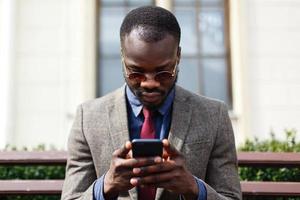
(147, 148)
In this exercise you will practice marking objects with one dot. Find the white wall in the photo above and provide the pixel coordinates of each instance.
(49, 67)
(272, 59)
(53, 69)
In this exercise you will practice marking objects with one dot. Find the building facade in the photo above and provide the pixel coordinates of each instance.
(56, 54)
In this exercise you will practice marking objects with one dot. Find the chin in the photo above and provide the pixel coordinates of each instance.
(152, 106)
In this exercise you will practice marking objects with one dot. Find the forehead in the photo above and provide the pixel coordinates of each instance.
(138, 50)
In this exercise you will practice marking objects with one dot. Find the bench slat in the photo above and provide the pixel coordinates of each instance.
(270, 188)
(266, 159)
(18, 187)
(60, 157)
(33, 157)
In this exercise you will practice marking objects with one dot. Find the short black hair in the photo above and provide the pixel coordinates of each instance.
(154, 23)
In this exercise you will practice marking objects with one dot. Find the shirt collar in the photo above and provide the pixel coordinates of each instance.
(137, 106)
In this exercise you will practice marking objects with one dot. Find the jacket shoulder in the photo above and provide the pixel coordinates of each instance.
(197, 101)
(109, 99)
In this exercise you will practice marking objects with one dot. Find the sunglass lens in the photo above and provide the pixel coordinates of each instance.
(138, 77)
(163, 76)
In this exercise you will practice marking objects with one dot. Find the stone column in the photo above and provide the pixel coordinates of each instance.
(7, 25)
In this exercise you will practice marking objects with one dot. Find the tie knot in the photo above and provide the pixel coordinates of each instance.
(147, 113)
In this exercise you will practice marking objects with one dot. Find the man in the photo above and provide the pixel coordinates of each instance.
(199, 151)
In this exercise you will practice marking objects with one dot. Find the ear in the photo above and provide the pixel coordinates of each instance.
(178, 54)
(121, 52)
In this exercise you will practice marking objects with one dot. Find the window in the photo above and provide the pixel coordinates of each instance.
(111, 14)
(205, 66)
(205, 63)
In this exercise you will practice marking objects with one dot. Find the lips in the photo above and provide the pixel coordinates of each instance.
(151, 97)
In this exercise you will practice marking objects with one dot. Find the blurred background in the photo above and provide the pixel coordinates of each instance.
(56, 54)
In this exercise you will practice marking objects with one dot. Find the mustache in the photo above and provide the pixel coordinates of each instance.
(140, 91)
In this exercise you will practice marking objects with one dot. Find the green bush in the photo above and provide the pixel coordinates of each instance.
(31, 172)
(273, 144)
(267, 173)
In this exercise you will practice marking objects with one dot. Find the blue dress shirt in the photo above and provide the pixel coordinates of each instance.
(162, 120)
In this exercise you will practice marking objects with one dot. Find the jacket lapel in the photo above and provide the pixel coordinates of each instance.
(181, 117)
(118, 126)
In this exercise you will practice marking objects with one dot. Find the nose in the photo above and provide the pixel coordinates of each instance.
(150, 82)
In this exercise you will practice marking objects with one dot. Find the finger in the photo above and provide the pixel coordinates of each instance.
(153, 179)
(165, 155)
(129, 155)
(158, 168)
(123, 151)
(147, 161)
(134, 181)
(164, 184)
(122, 171)
(140, 162)
(170, 150)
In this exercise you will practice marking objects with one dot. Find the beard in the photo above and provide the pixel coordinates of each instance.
(138, 92)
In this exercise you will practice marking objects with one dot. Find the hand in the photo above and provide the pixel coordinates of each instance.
(117, 178)
(171, 174)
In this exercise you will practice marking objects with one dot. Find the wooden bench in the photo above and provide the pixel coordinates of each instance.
(269, 159)
(248, 159)
(26, 187)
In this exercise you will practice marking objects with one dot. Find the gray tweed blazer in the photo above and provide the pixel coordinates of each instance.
(200, 129)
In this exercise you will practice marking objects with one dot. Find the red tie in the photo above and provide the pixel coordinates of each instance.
(147, 132)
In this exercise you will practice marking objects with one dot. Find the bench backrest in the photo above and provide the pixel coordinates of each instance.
(249, 188)
(60, 157)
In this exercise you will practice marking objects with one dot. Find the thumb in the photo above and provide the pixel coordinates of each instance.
(170, 150)
(123, 151)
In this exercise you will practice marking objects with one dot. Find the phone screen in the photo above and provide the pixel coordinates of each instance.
(146, 147)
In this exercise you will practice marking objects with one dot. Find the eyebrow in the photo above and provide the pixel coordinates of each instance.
(158, 68)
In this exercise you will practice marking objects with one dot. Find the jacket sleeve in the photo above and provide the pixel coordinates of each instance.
(222, 181)
(80, 171)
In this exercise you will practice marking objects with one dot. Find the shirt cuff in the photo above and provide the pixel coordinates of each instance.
(202, 195)
(98, 189)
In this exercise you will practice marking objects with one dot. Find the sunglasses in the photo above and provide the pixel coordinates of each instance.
(139, 77)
